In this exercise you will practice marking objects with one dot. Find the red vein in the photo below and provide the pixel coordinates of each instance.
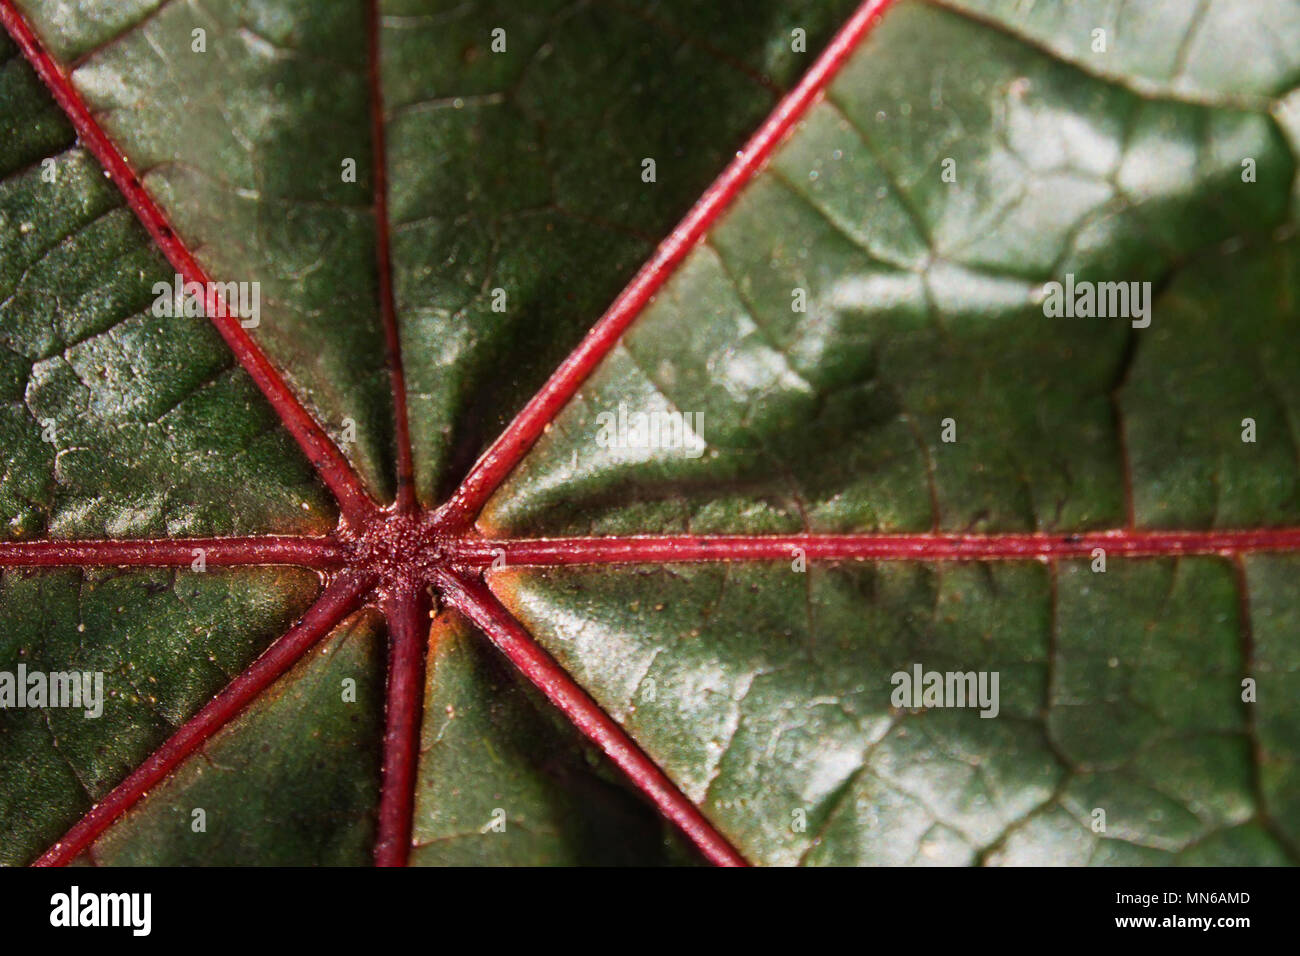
(321, 451)
(475, 601)
(337, 601)
(320, 553)
(384, 265)
(408, 629)
(505, 453)
(481, 552)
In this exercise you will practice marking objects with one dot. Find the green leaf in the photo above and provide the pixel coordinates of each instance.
(532, 183)
(290, 782)
(504, 781)
(523, 173)
(924, 303)
(150, 423)
(164, 642)
(767, 696)
(244, 179)
(251, 177)
(862, 341)
(1120, 691)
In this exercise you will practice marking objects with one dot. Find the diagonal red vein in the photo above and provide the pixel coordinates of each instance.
(338, 600)
(321, 553)
(383, 261)
(324, 455)
(513, 443)
(482, 552)
(473, 599)
(407, 612)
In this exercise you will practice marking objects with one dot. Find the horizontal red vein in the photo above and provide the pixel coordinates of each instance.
(172, 552)
(878, 547)
(324, 455)
(500, 459)
(473, 599)
(338, 600)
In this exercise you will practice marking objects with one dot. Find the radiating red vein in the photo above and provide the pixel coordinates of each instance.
(337, 601)
(407, 612)
(384, 266)
(482, 552)
(174, 552)
(510, 447)
(473, 599)
(321, 451)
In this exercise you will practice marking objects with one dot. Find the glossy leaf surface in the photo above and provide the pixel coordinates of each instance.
(436, 200)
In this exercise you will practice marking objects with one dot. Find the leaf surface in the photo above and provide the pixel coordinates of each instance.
(769, 691)
(491, 747)
(767, 696)
(291, 782)
(436, 201)
(924, 302)
(164, 643)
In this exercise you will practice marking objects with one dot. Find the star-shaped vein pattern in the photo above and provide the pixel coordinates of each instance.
(899, 459)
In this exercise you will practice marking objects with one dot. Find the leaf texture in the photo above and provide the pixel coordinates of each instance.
(897, 457)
